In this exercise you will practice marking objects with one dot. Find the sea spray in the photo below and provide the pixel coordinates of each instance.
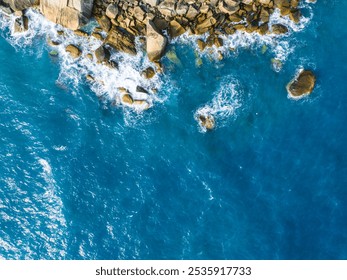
(226, 100)
(106, 80)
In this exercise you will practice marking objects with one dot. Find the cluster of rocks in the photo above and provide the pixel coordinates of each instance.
(157, 21)
(154, 18)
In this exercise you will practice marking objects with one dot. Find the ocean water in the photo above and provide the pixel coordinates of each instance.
(83, 178)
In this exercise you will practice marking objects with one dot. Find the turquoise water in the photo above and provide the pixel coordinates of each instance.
(82, 179)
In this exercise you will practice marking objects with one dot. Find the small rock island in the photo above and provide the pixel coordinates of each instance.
(302, 84)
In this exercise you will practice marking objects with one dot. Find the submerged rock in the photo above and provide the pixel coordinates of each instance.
(302, 84)
(53, 53)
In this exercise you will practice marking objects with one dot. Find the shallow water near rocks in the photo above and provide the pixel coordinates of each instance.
(81, 179)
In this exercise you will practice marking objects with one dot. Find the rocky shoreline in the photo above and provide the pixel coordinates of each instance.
(159, 21)
(155, 23)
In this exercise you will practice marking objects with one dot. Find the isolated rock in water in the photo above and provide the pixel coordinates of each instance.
(156, 42)
(302, 84)
(207, 121)
(73, 50)
(90, 78)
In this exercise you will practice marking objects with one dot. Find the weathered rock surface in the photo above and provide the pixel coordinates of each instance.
(156, 42)
(302, 84)
(207, 121)
(148, 73)
(74, 51)
(102, 54)
(121, 40)
(127, 99)
(71, 14)
(19, 5)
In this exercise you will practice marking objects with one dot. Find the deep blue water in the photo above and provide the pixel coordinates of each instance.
(77, 181)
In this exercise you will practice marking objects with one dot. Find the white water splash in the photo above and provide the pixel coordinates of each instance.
(224, 103)
(74, 71)
(280, 45)
(108, 81)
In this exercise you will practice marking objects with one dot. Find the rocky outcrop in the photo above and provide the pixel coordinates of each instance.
(302, 84)
(102, 54)
(71, 14)
(74, 51)
(156, 42)
(121, 40)
(156, 18)
(172, 18)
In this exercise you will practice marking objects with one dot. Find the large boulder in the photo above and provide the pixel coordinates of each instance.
(74, 51)
(156, 42)
(71, 14)
(279, 29)
(302, 84)
(102, 54)
(121, 40)
(19, 5)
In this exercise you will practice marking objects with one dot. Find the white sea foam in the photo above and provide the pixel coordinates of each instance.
(224, 103)
(46, 167)
(281, 46)
(74, 71)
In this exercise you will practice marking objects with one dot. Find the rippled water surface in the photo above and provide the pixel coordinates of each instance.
(81, 178)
